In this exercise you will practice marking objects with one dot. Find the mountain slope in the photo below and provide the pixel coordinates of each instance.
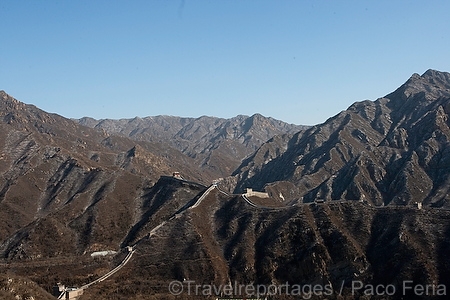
(94, 144)
(394, 150)
(57, 176)
(225, 240)
(216, 144)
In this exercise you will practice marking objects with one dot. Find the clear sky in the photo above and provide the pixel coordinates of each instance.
(298, 61)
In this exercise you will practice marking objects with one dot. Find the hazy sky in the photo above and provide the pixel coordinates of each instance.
(298, 61)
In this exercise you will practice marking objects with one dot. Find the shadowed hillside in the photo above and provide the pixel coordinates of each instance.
(393, 151)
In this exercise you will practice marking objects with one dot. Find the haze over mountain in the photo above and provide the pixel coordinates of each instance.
(216, 144)
(67, 191)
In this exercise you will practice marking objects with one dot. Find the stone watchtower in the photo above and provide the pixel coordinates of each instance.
(177, 175)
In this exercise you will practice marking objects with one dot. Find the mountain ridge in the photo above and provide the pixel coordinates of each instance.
(371, 142)
(216, 144)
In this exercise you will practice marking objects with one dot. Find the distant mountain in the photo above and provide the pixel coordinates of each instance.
(393, 151)
(216, 144)
(95, 145)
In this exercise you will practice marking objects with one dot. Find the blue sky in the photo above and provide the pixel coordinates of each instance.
(298, 61)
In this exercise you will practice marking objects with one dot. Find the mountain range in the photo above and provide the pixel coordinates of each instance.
(343, 199)
(216, 144)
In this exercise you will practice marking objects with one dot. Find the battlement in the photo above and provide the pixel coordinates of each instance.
(250, 192)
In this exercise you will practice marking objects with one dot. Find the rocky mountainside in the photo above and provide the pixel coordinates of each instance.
(67, 190)
(393, 151)
(14, 287)
(216, 144)
(66, 183)
(22, 123)
(225, 240)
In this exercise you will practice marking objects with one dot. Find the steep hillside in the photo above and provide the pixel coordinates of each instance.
(226, 240)
(95, 145)
(57, 247)
(216, 144)
(14, 288)
(393, 151)
(67, 189)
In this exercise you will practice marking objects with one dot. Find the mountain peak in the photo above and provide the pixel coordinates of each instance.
(8, 103)
(441, 79)
(434, 83)
(318, 163)
(257, 115)
(434, 73)
(431, 76)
